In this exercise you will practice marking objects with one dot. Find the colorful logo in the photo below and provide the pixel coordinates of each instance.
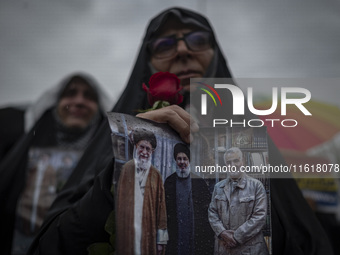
(239, 100)
(204, 97)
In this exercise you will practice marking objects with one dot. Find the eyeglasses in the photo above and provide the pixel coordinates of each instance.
(167, 46)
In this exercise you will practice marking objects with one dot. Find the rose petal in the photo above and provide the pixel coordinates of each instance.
(164, 86)
(145, 87)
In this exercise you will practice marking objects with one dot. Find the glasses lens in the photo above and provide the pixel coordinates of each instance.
(164, 47)
(199, 40)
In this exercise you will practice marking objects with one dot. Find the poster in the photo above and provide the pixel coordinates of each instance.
(190, 177)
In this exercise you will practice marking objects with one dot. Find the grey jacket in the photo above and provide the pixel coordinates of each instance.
(243, 211)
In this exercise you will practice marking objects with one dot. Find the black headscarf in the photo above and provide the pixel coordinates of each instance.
(134, 97)
(295, 228)
(181, 147)
(141, 134)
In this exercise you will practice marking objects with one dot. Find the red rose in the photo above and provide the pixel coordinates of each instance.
(164, 86)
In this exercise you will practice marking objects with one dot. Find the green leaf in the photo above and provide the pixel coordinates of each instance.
(157, 105)
(160, 104)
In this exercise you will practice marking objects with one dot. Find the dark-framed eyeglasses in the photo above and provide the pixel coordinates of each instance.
(165, 47)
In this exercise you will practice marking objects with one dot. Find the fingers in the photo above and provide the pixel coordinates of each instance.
(176, 117)
(229, 244)
(232, 242)
(231, 234)
(186, 117)
(228, 238)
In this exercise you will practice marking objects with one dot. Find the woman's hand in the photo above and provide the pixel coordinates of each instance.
(176, 117)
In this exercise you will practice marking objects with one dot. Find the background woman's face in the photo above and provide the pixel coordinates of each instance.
(185, 63)
(78, 105)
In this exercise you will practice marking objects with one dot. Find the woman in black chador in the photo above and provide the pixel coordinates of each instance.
(78, 216)
(40, 147)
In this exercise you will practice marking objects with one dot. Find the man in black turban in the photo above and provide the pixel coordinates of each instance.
(187, 201)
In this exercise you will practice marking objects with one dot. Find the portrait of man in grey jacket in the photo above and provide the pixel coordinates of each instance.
(238, 210)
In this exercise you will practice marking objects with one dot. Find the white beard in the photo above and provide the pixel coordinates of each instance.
(183, 173)
(143, 164)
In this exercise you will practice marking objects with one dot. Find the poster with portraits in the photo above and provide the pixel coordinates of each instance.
(189, 179)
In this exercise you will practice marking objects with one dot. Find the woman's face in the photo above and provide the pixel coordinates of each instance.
(77, 105)
(185, 63)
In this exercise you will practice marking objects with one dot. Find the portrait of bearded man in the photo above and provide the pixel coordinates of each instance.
(141, 210)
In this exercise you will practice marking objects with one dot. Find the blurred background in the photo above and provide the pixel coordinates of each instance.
(42, 41)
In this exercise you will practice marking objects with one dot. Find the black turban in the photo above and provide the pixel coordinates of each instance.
(140, 134)
(180, 147)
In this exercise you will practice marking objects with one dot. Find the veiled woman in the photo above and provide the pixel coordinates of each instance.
(295, 229)
(40, 152)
